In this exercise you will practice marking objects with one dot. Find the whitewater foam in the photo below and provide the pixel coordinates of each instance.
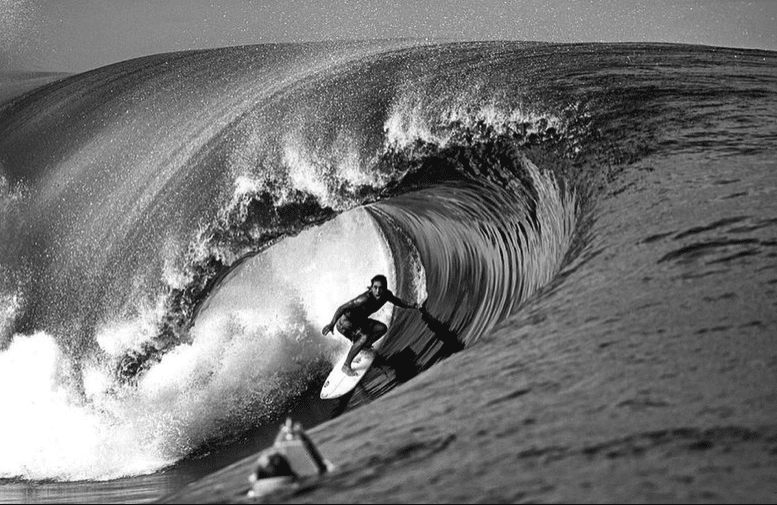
(412, 120)
(73, 423)
(53, 433)
(331, 175)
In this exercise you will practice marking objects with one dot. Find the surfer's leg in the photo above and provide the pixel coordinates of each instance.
(355, 334)
(374, 330)
(355, 348)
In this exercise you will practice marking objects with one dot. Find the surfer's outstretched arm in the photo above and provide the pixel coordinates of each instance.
(403, 304)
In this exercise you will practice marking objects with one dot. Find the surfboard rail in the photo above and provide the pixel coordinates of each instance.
(338, 383)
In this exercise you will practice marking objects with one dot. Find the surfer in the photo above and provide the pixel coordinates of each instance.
(352, 318)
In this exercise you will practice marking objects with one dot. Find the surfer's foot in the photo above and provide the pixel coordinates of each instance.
(349, 371)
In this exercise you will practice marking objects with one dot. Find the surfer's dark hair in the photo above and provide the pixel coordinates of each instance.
(381, 278)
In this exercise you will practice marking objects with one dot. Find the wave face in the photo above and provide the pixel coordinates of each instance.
(177, 228)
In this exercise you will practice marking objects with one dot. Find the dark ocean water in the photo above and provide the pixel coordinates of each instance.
(592, 228)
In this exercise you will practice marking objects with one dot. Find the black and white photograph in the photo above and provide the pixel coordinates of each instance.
(370, 251)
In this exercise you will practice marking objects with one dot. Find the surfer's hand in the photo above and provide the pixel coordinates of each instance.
(326, 329)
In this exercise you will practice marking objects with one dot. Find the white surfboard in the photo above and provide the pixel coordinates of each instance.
(338, 383)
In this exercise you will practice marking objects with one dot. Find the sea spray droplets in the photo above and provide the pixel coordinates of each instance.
(412, 122)
(12, 275)
(17, 19)
(336, 176)
(9, 307)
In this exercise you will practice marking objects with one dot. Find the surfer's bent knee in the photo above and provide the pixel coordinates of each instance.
(377, 329)
(345, 327)
(349, 330)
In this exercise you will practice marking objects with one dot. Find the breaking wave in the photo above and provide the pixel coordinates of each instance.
(178, 228)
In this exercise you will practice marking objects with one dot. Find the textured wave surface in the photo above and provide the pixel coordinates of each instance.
(176, 229)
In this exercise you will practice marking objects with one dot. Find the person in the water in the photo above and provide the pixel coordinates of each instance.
(352, 319)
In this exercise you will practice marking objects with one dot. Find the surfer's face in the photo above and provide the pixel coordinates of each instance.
(378, 289)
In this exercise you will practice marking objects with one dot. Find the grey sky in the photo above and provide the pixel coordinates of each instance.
(76, 35)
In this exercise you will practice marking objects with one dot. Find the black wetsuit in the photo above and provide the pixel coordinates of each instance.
(355, 320)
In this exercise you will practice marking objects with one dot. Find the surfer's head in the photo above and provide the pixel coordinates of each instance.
(378, 286)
